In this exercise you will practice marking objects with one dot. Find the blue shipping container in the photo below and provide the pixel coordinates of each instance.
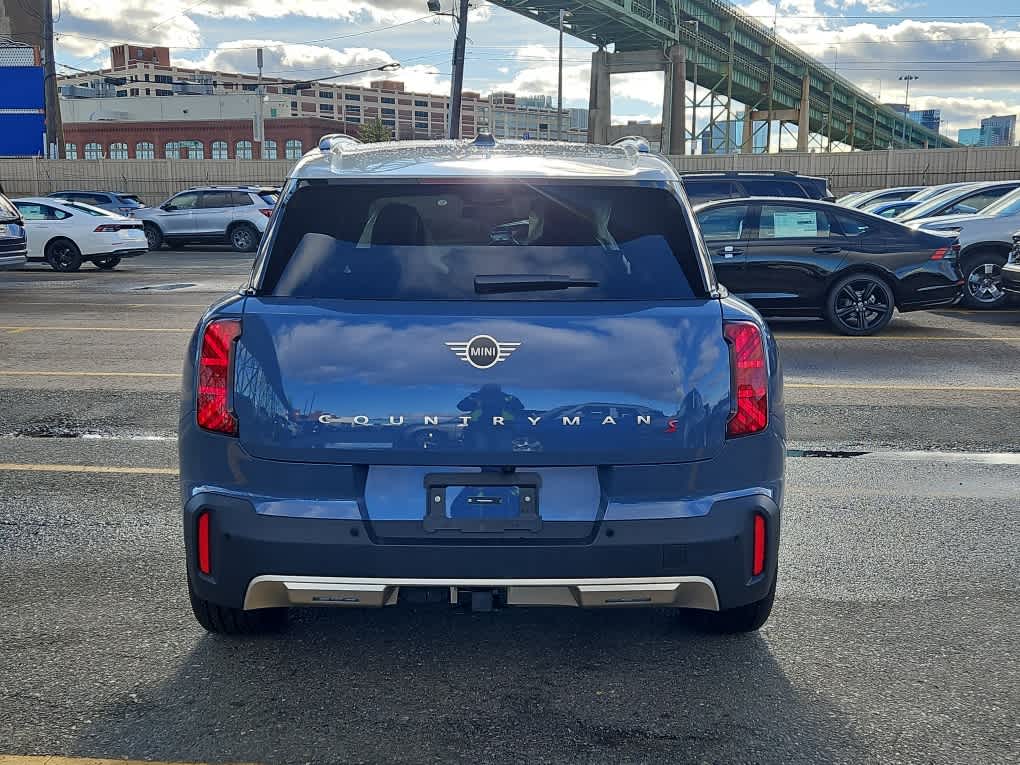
(21, 87)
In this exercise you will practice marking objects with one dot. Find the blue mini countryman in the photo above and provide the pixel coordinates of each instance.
(499, 374)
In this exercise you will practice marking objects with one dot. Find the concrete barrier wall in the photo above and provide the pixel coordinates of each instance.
(155, 180)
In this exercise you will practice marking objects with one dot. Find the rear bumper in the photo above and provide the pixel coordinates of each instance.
(1011, 278)
(696, 562)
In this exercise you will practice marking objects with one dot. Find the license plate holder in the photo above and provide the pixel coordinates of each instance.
(482, 503)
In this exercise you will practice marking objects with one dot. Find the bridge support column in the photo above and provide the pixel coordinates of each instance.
(676, 96)
(747, 139)
(804, 116)
(599, 99)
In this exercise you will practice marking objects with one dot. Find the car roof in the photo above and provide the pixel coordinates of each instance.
(488, 158)
(788, 175)
(784, 200)
(92, 191)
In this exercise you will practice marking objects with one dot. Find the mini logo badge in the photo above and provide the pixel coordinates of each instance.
(483, 351)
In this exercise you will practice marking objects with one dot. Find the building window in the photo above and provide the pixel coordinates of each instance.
(70, 151)
(172, 150)
(196, 149)
(387, 112)
(421, 126)
(166, 79)
(328, 108)
(118, 151)
(134, 91)
(219, 150)
(389, 123)
(353, 109)
(352, 97)
(242, 150)
(292, 149)
(387, 100)
(122, 93)
(353, 120)
(421, 115)
(93, 151)
(160, 92)
(250, 88)
(290, 91)
(269, 150)
(418, 102)
(325, 94)
(145, 150)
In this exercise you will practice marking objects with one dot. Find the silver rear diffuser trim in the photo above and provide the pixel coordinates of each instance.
(271, 591)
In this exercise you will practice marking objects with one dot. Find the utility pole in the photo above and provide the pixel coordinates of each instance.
(559, 84)
(54, 126)
(457, 85)
(258, 131)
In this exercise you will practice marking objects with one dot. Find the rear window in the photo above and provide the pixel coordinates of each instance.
(129, 200)
(770, 187)
(7, 211)
(482, 241)
(269, 197)
(709, 190)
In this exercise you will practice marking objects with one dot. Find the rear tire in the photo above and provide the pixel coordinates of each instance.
(107, 263)
(735, 620)
(244, 237)
(859, 305)
(982, 280)
(153, 236)
(223, 620)
(63, 255)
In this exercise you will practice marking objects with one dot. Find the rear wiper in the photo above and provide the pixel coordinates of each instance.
(486, 284)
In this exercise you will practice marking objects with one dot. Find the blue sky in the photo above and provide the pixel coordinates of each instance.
(969, 66)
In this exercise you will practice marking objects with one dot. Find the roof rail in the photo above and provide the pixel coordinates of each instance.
(327, 142)
(735, 173)
(638, 142)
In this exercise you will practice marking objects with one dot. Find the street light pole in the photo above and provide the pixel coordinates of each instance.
(559, 83)
(908, 78)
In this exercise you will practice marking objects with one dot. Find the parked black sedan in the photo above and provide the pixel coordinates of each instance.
(801, 257)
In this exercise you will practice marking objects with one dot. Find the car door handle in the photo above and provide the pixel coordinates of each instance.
(828, 250)
(729, 252)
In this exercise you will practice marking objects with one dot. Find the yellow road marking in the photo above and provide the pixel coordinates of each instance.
(72, 303)
(914, 388)
(52, 328)
(17, 759)
(88, 374)
(29, 467)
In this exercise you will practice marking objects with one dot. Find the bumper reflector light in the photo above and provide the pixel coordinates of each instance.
(758, 557)
(204, 559)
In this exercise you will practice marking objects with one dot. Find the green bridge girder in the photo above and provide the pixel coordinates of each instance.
(760, 63)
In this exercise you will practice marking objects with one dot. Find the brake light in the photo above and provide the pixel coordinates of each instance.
(214, 376)
(758, 554)
(750, 379)
(946, 252)
(202, 546)
(267, 211)
(107, 228)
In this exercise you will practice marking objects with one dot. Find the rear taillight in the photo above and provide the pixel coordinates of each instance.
(202, 543)
(214, 368)
(750, 379)
(107, 228)
(758, 553)
(267, 211)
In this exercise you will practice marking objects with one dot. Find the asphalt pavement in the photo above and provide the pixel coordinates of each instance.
(893, 639)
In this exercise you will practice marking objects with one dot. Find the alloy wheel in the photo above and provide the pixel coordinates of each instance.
(241, 238)
(862, 304)
(984, 283)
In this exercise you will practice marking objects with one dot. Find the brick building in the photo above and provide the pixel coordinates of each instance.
(200, 139)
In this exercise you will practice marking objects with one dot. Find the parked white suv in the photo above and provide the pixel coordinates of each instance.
(986, 240)
(234, 215)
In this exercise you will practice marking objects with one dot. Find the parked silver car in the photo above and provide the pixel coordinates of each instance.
(118, 202)
(963, 199)
(986, 239)
(234, 215)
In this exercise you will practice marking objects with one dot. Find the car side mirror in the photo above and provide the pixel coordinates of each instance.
(168, 207)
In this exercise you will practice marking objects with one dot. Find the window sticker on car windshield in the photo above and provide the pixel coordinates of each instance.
(794, 224)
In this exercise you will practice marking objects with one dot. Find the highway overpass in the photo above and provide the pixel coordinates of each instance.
(731, 57)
